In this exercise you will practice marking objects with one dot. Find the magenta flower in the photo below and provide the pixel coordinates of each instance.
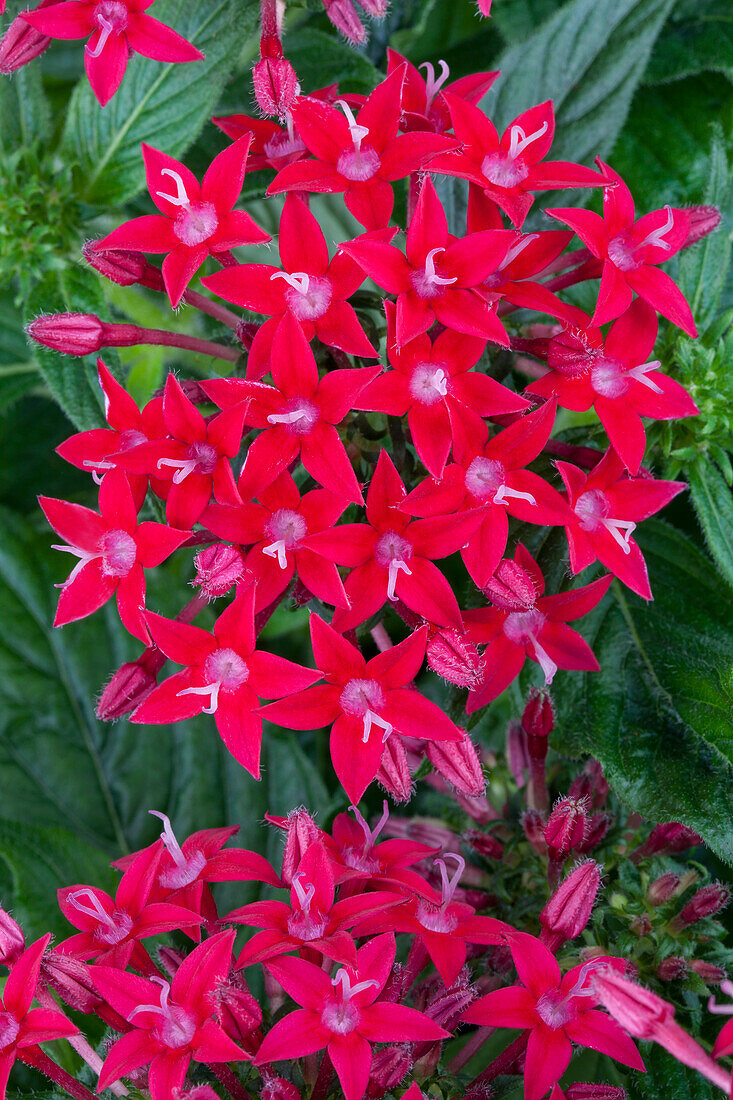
(442, 925)
(356, 855)
(437, 277)
(224, 675)
(128, 427)
(111, 927)
(193, 461)
(509, 168)
(343, 1015)
(630, 251)
(195, 220)
(172, 1023)
(22, 1028)
(489, 475)
(113, 549)
(366, 701)
(313, 920)
(607, 507)
(433, 384)
(277, 531)
(360, 156)
(115, 29)
(391, 557)
(423, 101)
(557, 1011)
(298, 416)
(309, 286)
(616, 377)
(524, 623)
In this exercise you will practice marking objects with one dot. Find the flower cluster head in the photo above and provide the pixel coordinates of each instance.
(367, 454)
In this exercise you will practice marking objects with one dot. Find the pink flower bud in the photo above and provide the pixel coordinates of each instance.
(71, 980)
(12, 939)
(590, 784)
(566, 827)
(597, 831)
(663, 888)
(69, 333)
(245, 332)
(538, 721)
(277, 1088)
(638, 1010)
(707, 971)
(22, 43)
(390, 1066)
(458, 762)
(455, 658)
(239, 1014)
(517, 753)
(641, 925)
(301, 832)
(533, 824)
(671, 969)
(484, 7)
(218, 569)
(484, 844)
(276, 85)
(581, 1091)
(568, 911)
(393, 773)
(116, 264)
(705, 903)
(376, 8)
(198, 1092)
(672, 836)
(511, 588)
(448, 1007)
(703, 220)
(130, 685)
(342, 14)
(170, 959)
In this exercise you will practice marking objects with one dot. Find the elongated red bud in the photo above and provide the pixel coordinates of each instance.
(342, 14)
(533, 824)
(663, 888)
(703, 220)
(582, 1091)
(22, 43)
(637, 1009)
(709, 973)
(218, 569)
(596, 832)
(130, 685)
(566, 827)
(484, 844)
(301, 832)
(458, 762)
(705, 903)
(672, 836)
(511, 588)
(538, 721)
(275, 85)
(277, 1088)
(455, 658)
(394, 773)
(12, 939)
(239, 1015)
(390, 1066)
(590, 784)
(119, 265)
(198, 1092)
(671, 969)
(568, 911)
(70, 978)
(517, 754)
(69, 333)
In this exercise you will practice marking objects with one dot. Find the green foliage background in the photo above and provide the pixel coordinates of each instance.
(644, 83)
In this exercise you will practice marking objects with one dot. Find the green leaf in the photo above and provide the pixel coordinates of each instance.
(666, 1078)
(699, 39)
(517, 19)
(72, 382)
(659, 714)
(713, 503)
(165, 105)
(588, 58)
(24, 109)
(320, 59)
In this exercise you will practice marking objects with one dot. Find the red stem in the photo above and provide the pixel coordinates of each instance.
(416, 960)
(35, 1057)
(219, 312)
(323, 1080)
(126, 336)
(466, 1053)
(502, 1064)
(586, 457)
(229, 1080)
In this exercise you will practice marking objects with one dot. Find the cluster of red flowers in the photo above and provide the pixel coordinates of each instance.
(260, 488)
(336, 888)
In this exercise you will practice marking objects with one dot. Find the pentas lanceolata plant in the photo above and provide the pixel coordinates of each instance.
(384, 938)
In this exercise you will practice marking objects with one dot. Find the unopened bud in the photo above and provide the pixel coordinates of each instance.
(22, 43)
(393, 773)
(707, 971)
(301, 832)
(275, 86)
(590, 784)
(596, 832)
(69, 333)
(130, 685)
(448, 1007)
(568, 911)
(12, 939)
(638, 1010)
(566, 827)
(511, 588)
(582, 1091)
(390, 1066)
(458, 762)
(245, 332)
(71, 980)
(170, 959)
(218, 569)
(342, 14)
(663, 888)
(484, 844)
(641, 925)
(277, 1088)
(672, 836)
(705, 903)
(517, 754)
(376, 8)
(538, 721)
(672, 969)
(455, 658)
(116, 264)
(533, 824)
(703, 220)
(239, 1015)
(198, 1092)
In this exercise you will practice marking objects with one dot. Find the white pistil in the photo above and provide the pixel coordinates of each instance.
(298, 280)
(449, 885)
(518, 142)
(180, 198)
(655, 238)
(358, 133)
(370, 835)
(304, 896)
(206, 689)
(287, 418)
(183, 467)
(161, 1009)
(433, 84)
(395, 566)
(96, 912)
(430, 273)
(105, 31)
(504, 492)
(84, 557)
(515, 250)
(620, 531)
(277, 550)
(169, 839)
(347, 989)
(639, 374)
(373, 719)
(546, 662)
